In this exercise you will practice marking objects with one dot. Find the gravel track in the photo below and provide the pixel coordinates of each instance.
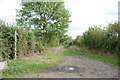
(83, 68)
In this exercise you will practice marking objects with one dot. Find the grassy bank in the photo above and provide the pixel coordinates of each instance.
(18, 68)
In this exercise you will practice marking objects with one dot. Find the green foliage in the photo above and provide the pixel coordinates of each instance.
(66, 40)
(79, 41)
(92, 37)
(7, 40)
(40, 46)
(25, 41)
(106, 39)
(50, 20)
(111, 38)
(41, 24)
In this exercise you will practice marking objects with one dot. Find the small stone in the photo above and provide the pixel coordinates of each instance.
(71, 69)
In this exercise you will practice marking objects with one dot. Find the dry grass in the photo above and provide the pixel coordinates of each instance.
(94, 51)
(53, 50)
(74, 47)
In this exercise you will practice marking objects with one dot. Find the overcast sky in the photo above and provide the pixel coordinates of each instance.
(84, 13)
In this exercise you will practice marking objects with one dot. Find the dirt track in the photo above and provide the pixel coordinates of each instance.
(82, 68)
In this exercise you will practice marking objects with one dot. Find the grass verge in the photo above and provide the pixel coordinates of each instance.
(18, 68)
(113, 60)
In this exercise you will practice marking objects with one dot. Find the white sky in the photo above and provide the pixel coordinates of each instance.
(84, 13)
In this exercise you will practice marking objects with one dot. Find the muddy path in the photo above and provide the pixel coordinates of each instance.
(78, 67)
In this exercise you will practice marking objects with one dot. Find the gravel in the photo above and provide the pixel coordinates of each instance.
(82, 67)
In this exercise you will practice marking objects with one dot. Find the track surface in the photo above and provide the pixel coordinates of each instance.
(78, 67)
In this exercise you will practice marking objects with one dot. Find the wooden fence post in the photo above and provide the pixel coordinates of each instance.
(15, 44)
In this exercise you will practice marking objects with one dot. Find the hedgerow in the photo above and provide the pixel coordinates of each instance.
(106, 39)
(25, 41)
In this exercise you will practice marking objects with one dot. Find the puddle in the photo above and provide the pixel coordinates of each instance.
(70, 69)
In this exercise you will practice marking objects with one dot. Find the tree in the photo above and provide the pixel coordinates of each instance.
(66, 40)
(48, 19)
(112, 38)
